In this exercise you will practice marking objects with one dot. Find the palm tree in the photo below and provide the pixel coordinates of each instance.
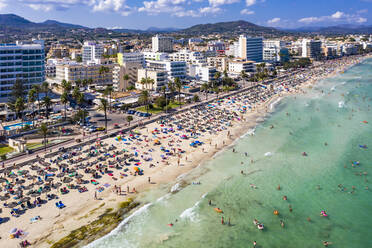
(19, 107)
(47, 102)
(64, 100)
(78, 83)
(171, 88)
(129, 119)
(217, 76)
(145, 98)
(126, 78)
(103, 107)
(217, 90)
(66, 86)
(205, 88)
(44, 132)
(45, 88)
(31, 100)
(108, 92)
(37, 90)
(146, 81)
(178, 85)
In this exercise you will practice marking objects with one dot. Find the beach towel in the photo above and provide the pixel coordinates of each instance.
(100, 189)
(107, 185)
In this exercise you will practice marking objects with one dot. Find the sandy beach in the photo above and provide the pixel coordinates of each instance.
(148, 157)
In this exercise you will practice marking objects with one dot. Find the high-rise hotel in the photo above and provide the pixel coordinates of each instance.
(23, 62)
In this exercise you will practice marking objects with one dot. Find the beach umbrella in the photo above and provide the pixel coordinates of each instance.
(2, 180)
(35, 194)
(39, 182)
(49, 179)
(12, 175)
(61, 174)
(79, 176)
(25, 199)
(4, 197)
(20, 181)
(12, 205)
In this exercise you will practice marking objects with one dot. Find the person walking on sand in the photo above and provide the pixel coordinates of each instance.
(149, 179)
(95, 195)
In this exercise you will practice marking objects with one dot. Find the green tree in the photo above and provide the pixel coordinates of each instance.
(64, 100)
(126, 78)
(38, 91)
(45, 88)
(178, 85)
(66, 86)
(19, 107)
(31, 98)
(205, 88)
(171, 88)
(18, 91)
(47, 102)
(103, 107)
(147, 81)
(196, 98)
(161, 102)
(44, 132)
(108, 92)
(129, 119)
(145, 99)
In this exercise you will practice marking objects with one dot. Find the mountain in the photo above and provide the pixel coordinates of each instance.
(60, 24)
(166, 30)
(335, 30)
(230, 27)
(11, 21)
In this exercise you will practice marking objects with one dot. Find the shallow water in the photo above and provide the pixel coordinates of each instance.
(332, 112)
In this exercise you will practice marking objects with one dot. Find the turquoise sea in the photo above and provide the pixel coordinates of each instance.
(327, 124)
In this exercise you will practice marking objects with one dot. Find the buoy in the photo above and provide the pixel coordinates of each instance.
(276, 212)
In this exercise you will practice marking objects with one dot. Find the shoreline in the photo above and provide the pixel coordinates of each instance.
(83, 214)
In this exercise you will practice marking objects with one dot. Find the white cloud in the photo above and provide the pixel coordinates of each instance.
(104, 5)
(246, 12)
(361, 20)
(185, 13)
(250, 2)
(3, 4)
(42, 7)
(273, 21)
(209, 10)
(162, 6)
(335, 17)
(215, 3)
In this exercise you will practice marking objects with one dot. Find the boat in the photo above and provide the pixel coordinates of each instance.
(276, 212)
(218, 210)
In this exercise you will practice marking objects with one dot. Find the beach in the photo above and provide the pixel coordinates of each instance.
(159, 152)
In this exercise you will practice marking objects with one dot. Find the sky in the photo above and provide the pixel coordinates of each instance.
(140, 14)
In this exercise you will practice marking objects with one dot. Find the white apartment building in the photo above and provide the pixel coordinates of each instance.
(272, 49)
(73, 71)
(311, 48)
(220, 63)
(134, 57)
(202, 73)
(155, 56)
(172, 68)
(237, 66)
(127, 68)
(190, 57)
(92, 52)
(159, 77)
(250, 48)
(216, 46)
(162, 44)
(21, 61)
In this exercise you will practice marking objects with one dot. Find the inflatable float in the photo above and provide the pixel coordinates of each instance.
(218, 210)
